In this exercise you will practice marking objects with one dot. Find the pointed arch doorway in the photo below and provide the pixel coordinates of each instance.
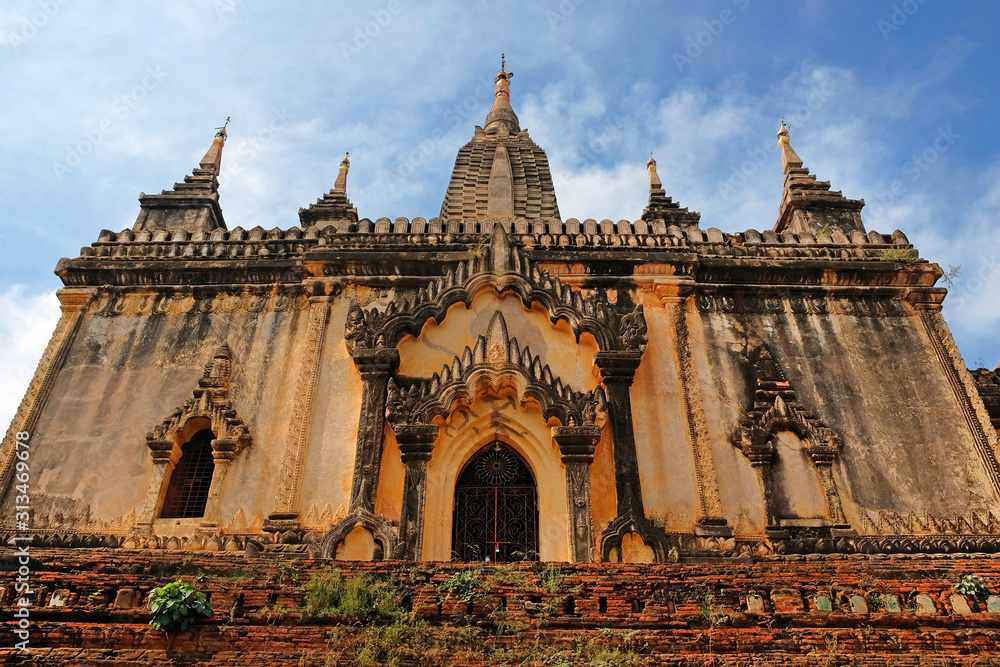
(496, 507)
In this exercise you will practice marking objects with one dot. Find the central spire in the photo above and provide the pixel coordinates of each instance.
(502, 115)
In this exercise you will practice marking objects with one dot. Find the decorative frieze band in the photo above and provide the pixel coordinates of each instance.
(862, 306)
(152, 303)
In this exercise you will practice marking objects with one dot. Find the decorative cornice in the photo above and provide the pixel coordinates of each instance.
(502, 267)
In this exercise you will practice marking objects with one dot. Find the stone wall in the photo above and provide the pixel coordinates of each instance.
(815, 610)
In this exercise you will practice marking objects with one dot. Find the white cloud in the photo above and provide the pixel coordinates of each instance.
(28, 322)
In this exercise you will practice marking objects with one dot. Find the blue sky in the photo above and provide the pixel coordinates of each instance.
(104, 100)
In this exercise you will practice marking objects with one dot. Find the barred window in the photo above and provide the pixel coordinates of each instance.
(187, 492)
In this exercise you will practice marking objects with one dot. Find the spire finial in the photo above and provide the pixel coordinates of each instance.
(341, 184)
(502, 114)
(220, 132)
(655, 185)
(789, 158)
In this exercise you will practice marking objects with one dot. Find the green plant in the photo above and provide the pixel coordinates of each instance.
(711, 611)
(552, 578)
(478, 249)
(507, 574)
(897, 253)
(360, 599)
(463, 584)
(176, 606)
(824, 233)
(877, 602)
(973, 586)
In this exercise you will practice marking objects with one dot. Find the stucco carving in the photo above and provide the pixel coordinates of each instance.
(290, 471)
(504, 268)
(778, 304)
(775, 409)
(496, 361)
(705, 474)
(211, 401)
(180, 303)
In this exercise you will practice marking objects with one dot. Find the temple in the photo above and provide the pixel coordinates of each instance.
(500, 384)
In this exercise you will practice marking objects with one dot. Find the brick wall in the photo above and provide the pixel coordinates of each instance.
(88, 609)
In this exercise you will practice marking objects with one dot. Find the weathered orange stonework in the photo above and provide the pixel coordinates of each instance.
(837, 610)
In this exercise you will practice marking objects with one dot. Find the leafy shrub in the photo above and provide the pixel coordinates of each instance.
(360, 599)
(973, 586)
(463, 585)
(177, 606)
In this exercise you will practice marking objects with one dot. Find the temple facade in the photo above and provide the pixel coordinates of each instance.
(499, 383)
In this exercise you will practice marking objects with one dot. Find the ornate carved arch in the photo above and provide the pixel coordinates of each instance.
(776, 409)
(652, 535)
(505, 269)
(210, 403)
(381, 531)
(496, 361)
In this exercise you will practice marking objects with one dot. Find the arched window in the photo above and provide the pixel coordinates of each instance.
(187, 492)
(496, 511)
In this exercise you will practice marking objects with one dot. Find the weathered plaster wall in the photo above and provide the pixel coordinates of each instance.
(876, 381)
(329, 457)
(666, 462)
(122, 376)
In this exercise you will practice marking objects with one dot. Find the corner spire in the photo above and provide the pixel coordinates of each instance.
(808, 205)
(501, 117)
(662, 207)
(334, 208)
(213, 158)
(345, 166)
(192, 205)
(789, 158)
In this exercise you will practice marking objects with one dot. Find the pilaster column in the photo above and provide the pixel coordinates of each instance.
(618, 370)
(166, 454)
(416, 442)
(822, 457)
(376, 366)
(285, 515)
(761, 458)
(223, 452)
(710, 520)
(577, 445)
